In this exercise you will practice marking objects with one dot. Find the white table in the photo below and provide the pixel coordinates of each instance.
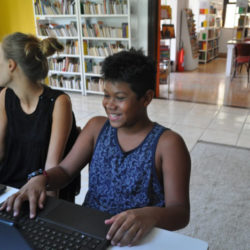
(230, 55)
(157, 239)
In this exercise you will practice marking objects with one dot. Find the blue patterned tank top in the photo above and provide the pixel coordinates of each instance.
(119, 180)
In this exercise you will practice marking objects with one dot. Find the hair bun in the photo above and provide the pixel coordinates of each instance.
(50, 45)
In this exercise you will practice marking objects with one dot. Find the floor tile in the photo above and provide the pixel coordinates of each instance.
(222, 115)
(226, 125)
(219, 136)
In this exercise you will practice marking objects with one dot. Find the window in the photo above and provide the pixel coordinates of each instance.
(230, 10)
(229, 14)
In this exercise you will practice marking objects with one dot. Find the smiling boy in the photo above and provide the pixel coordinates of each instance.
(138, 170)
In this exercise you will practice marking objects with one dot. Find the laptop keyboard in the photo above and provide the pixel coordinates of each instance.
(46, 236)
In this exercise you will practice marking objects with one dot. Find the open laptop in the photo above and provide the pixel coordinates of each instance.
(60, 225)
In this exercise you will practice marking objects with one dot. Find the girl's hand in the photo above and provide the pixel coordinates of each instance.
(130, 226)
(34, 191)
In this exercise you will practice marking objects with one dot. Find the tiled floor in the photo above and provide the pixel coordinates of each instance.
(193, 121)
(208, 84)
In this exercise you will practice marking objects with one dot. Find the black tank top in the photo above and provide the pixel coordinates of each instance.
(27, 137)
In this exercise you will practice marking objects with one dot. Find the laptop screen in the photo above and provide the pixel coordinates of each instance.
(11, 238)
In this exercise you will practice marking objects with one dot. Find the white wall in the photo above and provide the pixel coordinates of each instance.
(226, 34)
(139, 24)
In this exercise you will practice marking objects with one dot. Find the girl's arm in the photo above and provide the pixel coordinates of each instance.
(60, 130)
(59, 176)
(61, 126)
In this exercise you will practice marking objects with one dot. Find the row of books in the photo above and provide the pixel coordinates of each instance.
(241, 33)
(211, 10)
(53, 29)
(71, 47)
(99, 29)
(92, 66)
(192, 32)
(105, 49)
(203, 56)
(243, 20)
(209, 34)
(107, 7)
(164, 53)
(64, 64)
(54, 7)
(208, 23)
(61, 81)
(206, 45)
(94, 84)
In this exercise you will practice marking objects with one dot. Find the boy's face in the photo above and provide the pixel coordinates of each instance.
(121, 104)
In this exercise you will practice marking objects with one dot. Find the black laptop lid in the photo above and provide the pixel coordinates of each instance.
(10, 238)
(86, 220)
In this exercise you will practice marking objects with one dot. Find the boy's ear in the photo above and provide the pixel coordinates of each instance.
(12, 65)
(148, 97)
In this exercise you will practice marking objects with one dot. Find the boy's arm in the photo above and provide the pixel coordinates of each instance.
(3, 123)
(35, 189)
(173, 158)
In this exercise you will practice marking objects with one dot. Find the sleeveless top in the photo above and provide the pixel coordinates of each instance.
(27, 137)
(119, 180)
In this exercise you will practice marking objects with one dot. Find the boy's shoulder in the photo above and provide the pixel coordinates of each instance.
(95, 124)
(171, 139)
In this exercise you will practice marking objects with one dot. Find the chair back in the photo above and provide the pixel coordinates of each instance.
(242, 49)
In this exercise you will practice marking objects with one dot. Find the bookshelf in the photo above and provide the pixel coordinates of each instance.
(105, 31)
(165, 34)
(90, 30)
(241, 21)
(189, 39)
(209, 34)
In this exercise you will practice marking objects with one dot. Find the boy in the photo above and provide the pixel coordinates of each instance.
(139, 171)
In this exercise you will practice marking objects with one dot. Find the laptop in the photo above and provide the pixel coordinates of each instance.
(60, 225)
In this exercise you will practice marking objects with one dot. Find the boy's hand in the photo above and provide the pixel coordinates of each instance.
(130, 226)
(34, 191)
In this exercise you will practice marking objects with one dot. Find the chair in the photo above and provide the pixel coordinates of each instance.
(69, 192)
(242, 57)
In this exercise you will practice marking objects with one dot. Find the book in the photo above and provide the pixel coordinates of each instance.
(167, 31)
(166, 12)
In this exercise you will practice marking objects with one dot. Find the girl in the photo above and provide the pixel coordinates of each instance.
(37, 124)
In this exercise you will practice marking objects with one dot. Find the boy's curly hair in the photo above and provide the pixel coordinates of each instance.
(131, 67)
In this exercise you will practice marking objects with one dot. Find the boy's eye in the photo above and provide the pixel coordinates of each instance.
(120, 98)
(106, 96)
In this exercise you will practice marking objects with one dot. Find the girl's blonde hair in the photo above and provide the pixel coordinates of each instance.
(30, 53)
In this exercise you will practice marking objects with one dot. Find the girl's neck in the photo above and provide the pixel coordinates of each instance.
(28, 94)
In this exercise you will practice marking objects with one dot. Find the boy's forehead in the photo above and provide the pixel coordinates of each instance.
(117, 86)
(117, 83)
